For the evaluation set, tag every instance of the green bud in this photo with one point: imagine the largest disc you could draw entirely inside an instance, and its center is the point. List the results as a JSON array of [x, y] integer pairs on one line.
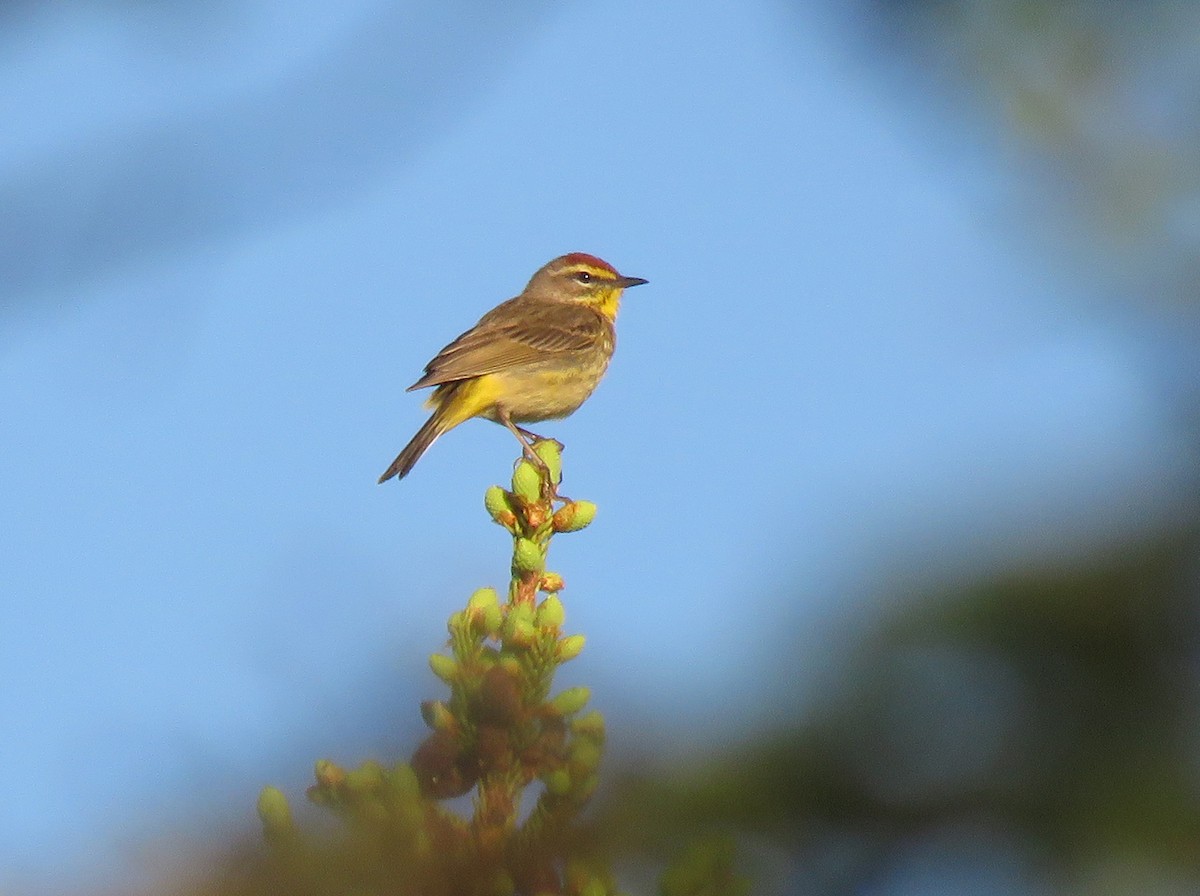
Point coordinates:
[[485, 606], [558, 782], [570, 647], [574, 516], [521, 613], [571, 700], [527, 556], [492, 620], [402, 793], [510, 664], [589, 725], [484, 598], [495, 501], [328, 773], [444, 667], [519, 631], [550, 452], [527, 481], [550, 614], [403, 780], [523, 635], [274, 812], [585, 756], [367, 778]]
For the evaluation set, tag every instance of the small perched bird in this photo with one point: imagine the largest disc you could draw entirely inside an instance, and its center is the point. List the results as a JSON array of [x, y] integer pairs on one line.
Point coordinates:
[[535, 357]]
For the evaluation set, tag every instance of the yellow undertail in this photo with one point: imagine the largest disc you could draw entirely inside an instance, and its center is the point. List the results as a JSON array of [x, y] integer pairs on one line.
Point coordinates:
[[453, 403]]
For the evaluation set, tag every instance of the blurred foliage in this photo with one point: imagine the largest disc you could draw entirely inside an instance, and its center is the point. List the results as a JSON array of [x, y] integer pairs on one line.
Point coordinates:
[[500, 738], [1052, 714], [1044, 718], [1103, 98], [498, 735]]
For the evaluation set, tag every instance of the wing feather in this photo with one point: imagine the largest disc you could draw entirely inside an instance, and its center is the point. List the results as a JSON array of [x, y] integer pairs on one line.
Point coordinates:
[[513, 334]]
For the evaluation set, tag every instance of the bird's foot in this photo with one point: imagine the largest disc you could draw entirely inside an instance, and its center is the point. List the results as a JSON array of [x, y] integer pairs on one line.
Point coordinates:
[[549, 486]]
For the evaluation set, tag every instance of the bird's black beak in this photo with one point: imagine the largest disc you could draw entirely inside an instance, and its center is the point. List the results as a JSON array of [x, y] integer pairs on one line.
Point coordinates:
[[626, 282]]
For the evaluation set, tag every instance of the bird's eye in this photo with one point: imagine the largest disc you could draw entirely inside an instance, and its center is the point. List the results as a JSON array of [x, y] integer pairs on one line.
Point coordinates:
[[583, 277]]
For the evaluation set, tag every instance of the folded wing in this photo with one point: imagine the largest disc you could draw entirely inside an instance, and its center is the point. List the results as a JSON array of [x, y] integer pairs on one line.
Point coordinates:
[[515, 334]]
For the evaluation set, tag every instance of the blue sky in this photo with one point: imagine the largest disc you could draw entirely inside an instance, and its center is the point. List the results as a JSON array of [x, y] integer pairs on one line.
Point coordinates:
[[235, 235]]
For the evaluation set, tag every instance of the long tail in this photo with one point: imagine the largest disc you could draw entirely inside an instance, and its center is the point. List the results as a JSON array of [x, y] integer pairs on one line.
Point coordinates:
[[426, 436]]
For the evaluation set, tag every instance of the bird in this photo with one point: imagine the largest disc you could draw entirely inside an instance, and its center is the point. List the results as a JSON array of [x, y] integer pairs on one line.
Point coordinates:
[[537, 356]]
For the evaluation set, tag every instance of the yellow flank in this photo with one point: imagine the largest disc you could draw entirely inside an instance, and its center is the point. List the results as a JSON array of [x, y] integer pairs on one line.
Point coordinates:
[[545, 393], [535, 357]]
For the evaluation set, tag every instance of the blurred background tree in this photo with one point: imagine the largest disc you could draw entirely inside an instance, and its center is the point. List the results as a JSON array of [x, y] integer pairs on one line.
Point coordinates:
[[1035, 730], [1097, 104]]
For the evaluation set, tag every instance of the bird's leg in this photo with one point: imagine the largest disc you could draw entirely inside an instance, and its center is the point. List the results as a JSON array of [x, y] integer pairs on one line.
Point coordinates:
[[524, 436], [527, 438]]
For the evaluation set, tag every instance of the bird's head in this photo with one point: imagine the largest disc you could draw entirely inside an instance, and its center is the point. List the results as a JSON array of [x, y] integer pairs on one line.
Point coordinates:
[[579, 277]]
